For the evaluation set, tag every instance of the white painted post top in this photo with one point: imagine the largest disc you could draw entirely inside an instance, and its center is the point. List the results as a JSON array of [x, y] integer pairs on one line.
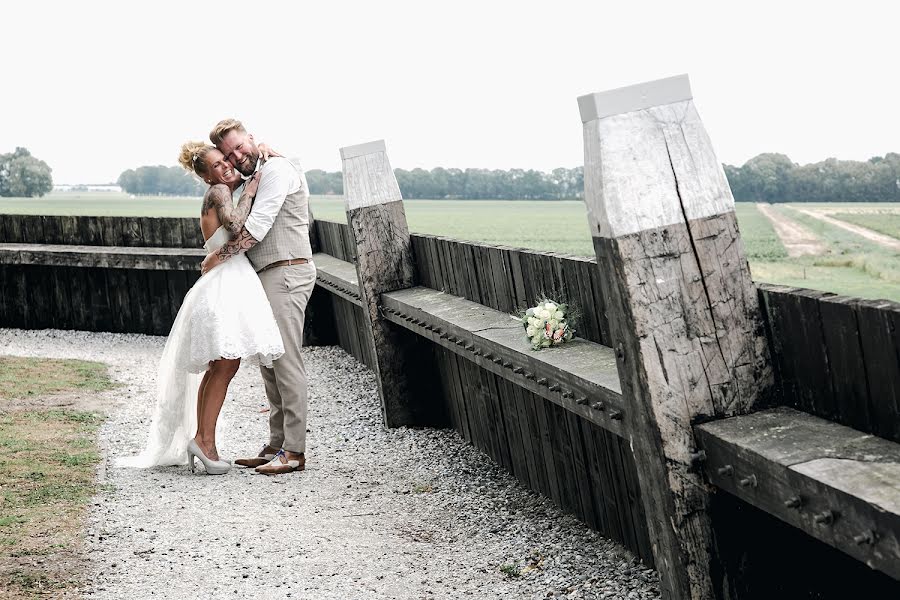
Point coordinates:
[[362, 149], [634, 97]]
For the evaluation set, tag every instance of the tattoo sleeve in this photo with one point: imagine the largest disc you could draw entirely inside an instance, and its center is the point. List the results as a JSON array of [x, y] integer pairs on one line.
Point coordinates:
[[243, 242], [232, 218]]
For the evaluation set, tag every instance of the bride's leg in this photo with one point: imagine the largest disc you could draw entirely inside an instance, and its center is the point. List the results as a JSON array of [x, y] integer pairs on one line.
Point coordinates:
[[220, 374], [200, 396]]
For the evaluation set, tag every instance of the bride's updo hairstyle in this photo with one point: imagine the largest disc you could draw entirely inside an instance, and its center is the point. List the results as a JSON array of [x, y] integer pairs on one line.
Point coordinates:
[[192, 155]]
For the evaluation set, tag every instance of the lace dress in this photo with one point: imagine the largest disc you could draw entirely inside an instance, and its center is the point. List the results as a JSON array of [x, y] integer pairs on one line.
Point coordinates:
[[224, 315]]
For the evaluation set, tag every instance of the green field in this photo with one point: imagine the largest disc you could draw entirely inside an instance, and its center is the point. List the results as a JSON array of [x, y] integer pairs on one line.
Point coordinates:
[[852, 266]]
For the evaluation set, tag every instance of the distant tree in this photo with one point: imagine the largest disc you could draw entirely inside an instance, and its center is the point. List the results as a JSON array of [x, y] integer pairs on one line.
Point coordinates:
[[21, 174], [323, 183]]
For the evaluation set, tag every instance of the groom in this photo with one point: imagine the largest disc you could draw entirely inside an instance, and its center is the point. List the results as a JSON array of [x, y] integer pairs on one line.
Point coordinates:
[[276, 240]]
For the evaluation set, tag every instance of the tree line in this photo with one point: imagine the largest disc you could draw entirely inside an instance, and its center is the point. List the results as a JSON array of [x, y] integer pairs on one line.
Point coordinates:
[[767, 177], [775, 178]]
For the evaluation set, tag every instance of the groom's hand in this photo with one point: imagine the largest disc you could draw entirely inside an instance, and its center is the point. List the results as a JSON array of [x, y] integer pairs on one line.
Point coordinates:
[[211, 261]]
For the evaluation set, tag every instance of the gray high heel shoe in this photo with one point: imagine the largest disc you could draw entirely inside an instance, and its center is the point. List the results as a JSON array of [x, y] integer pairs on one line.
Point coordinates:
[[213, 467]]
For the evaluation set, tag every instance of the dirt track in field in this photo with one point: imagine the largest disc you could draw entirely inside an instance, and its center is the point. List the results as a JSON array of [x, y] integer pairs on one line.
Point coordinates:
[[797, 239], [873, 236]]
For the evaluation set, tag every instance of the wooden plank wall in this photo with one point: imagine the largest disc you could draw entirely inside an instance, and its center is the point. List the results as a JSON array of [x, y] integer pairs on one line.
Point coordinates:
[[93, 299], [836, 357], [160, 232]]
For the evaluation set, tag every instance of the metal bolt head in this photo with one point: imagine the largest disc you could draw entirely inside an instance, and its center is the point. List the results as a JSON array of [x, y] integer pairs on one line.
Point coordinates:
[[518, 370], [615, 415], [581, 400], [497, 360], [507, 364], [793, 502], [826, 517], [866, 537], [620, 351], [529, 375], [554, 387], [698, 457], [598, 406], [568, 394], [542, 381], [748, 481], [727, 470]]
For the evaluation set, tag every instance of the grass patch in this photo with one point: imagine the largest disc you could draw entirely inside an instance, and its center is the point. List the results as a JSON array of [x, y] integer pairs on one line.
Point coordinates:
[[510, 570], [23, 377], [47, 462], [761, 243], [886, 222]]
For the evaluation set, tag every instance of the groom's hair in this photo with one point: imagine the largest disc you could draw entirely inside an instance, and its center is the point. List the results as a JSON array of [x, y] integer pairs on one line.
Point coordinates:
[[222, 128]]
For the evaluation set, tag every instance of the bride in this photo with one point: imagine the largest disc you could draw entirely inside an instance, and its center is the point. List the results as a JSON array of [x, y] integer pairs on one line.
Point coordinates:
[[225, 317]]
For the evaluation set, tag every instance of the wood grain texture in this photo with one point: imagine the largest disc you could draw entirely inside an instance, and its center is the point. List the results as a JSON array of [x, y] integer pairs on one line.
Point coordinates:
[[384, 263], [682, 310]]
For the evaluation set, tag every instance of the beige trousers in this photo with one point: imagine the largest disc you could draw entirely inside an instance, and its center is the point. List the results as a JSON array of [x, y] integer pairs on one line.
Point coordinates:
[[288, 289]]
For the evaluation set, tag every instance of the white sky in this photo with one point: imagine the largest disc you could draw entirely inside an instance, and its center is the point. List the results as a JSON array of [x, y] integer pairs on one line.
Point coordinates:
[[95, 88]]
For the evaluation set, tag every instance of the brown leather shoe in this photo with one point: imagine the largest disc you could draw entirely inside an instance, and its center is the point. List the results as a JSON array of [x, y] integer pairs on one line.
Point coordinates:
[[264, 456], [283, 462]]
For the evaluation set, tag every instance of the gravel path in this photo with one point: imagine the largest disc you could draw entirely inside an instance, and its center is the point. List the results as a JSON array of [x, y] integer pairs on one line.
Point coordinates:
[[377, 514]]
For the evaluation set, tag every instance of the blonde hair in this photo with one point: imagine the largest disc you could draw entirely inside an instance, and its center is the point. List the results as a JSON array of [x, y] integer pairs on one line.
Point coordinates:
[[192, 155], [223, 127]]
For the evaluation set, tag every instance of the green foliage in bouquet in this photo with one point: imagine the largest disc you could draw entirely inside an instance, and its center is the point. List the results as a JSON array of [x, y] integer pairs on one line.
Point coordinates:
[[546, 324]]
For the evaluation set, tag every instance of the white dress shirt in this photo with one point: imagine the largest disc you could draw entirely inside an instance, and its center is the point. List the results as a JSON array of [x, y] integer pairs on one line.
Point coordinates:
[[279, 178]]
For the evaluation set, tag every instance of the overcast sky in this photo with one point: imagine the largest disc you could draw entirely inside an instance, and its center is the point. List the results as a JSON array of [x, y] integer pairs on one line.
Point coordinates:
[[95, 88]]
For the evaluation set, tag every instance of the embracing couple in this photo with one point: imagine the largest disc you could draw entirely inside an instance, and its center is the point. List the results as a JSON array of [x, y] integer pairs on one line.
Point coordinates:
[[249, 304]]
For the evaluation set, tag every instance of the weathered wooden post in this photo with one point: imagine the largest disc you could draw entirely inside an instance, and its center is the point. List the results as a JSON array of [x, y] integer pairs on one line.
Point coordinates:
[[384, 263], [683, 311]]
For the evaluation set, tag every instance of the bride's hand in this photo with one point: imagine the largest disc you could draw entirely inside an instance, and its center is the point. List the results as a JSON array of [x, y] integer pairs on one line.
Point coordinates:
[[252, 184], [211, 260], [266, 151]]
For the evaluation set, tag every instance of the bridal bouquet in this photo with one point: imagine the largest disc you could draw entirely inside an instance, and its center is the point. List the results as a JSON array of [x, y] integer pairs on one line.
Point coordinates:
[[545, 325]]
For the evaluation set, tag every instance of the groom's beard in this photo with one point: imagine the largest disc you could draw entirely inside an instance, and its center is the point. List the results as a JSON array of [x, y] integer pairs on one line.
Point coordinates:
[[248, 166]]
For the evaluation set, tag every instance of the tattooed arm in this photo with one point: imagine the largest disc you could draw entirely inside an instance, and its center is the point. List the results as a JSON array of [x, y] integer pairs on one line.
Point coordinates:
[[232, 218], [243, 242]]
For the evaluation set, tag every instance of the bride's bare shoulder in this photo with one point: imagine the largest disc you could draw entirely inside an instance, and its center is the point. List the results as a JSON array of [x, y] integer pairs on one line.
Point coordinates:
[[216, 197]]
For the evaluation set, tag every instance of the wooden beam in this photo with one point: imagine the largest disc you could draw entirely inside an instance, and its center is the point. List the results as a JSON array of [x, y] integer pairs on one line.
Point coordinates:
[[384, 263], [113, 257], [837, 484], [338, 277], [579, 376], [683, 312]]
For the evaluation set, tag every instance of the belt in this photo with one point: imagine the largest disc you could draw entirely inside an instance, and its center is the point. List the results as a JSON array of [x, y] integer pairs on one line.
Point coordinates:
[[284, 263]]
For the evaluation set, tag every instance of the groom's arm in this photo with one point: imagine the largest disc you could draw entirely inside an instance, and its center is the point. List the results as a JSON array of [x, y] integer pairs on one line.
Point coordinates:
[[274, 186]]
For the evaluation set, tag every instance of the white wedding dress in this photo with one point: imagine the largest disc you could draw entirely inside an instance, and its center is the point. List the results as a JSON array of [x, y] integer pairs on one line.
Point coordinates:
[[224, 315]]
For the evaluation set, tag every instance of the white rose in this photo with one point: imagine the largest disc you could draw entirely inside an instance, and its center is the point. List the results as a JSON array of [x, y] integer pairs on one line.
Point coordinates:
[[530, 332], [554, 323], [559, 315], [550, 306], [535, 322], [545, 314]]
